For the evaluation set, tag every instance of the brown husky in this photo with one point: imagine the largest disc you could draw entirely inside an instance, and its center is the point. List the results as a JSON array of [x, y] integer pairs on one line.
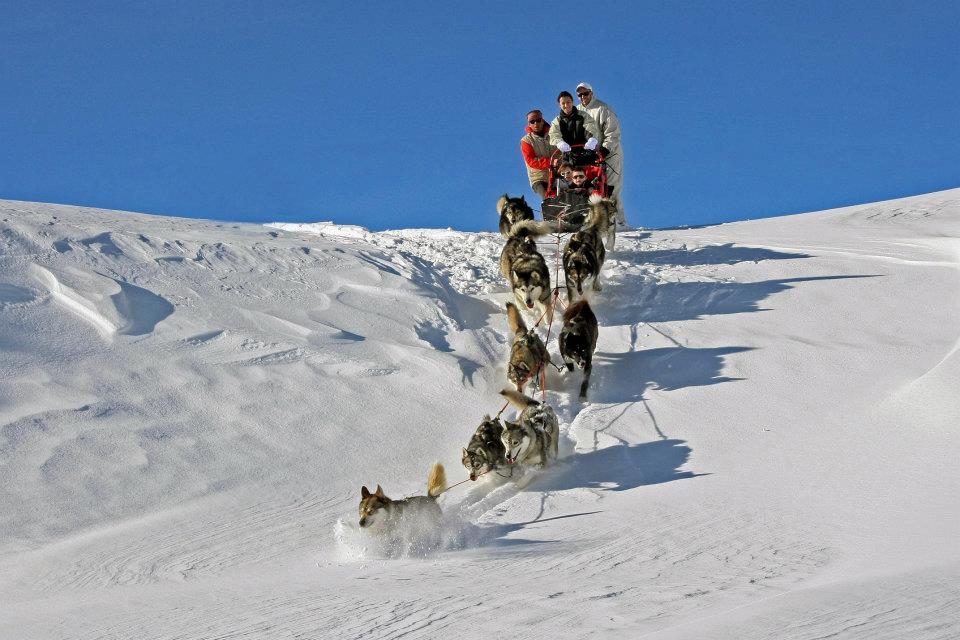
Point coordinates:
[[528, 354], [535, 438], [384, 515]]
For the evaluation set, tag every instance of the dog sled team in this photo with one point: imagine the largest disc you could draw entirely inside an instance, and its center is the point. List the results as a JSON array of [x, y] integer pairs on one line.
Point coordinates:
[[575, 165]]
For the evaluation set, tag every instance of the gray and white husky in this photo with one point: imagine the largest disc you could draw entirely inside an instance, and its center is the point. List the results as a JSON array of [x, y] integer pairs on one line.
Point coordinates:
[[384, 516], [485, 452], [525, 269], [535, 437]]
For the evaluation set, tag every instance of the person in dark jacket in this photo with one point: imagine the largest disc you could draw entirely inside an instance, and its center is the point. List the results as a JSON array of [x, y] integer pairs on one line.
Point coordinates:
[[572, 126], [537, 150], [580, 182]]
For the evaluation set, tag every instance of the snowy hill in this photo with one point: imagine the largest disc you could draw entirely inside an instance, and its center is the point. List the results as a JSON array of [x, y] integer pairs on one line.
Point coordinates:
[[189, 408]]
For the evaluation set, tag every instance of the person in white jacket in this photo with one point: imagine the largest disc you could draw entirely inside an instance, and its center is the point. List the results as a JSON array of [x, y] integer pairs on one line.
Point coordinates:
[[609, 130]]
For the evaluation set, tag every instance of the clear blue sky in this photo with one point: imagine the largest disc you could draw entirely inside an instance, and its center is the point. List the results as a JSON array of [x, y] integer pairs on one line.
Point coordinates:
[[394, 115]]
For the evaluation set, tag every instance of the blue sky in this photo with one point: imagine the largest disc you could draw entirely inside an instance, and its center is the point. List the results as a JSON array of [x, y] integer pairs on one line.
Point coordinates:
[[395, 115]]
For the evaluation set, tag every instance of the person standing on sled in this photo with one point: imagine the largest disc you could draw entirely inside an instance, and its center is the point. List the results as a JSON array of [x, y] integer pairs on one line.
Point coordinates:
[[573, 127], [609, 126], [537, 150]]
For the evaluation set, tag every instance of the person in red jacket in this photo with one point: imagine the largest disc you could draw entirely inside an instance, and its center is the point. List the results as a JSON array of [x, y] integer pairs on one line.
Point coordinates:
[[537, 150]]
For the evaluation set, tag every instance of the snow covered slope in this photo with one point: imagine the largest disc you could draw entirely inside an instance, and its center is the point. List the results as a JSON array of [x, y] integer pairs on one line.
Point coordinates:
[[189, 408]]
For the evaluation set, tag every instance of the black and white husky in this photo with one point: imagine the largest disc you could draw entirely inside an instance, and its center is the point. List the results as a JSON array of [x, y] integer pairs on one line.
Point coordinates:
[[525, 269], [535, 437], [512, 211], [584, 254], [578, 340]]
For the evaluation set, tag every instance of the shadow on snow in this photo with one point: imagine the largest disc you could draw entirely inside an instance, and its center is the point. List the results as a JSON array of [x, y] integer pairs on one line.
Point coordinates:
[[616, 468], [670, 301], [714, 254], [623, 377]]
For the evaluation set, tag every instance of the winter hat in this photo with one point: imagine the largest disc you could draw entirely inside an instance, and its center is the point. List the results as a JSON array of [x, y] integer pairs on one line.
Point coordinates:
[[585, 86]]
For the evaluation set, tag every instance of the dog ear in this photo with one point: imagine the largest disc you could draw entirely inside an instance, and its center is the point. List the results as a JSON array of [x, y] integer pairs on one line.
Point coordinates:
[[364, 493], [379, 492], [523, 199], [464, 452]]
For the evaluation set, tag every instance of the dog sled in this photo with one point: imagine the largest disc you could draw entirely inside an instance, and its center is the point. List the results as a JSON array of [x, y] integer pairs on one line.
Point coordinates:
[[566, 203]]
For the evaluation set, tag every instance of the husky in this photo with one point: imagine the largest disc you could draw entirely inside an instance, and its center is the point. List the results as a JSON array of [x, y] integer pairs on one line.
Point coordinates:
[[512, 211], [578, 340], [485, 451], [528, 354], [535, 438], [383, 515], [584, 254], [526, 270]]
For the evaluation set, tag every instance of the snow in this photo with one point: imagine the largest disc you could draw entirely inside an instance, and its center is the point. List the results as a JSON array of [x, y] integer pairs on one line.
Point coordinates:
[[188, 410]]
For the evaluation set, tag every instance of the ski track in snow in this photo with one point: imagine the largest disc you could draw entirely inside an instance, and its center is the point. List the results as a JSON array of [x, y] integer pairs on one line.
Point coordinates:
[[203, 521]]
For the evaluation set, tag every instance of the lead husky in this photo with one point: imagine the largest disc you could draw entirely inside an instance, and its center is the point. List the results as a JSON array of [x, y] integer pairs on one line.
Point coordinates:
[[525, 269], [485, 451], [535, 438], [386, 516], [578, 340], [584, 254], [512, 211], [528, 354]]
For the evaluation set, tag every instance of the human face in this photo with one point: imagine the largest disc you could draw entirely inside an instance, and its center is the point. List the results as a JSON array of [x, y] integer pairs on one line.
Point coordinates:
[[566, 105], [585, 96], [535, 120], [578, 177]]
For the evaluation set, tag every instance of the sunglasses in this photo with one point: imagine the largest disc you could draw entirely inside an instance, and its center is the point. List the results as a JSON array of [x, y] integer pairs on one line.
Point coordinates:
[[535, 121], [585, 93]]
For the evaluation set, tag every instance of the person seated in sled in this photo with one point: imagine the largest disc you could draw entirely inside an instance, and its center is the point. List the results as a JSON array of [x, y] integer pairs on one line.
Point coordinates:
[[580, 183], [564, 171]]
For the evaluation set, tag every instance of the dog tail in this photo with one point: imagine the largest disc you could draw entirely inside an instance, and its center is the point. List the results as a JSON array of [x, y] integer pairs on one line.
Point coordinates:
[[517, 325], [501, 202], [531, 228], [437, 481], [598, 216], [517, 399]]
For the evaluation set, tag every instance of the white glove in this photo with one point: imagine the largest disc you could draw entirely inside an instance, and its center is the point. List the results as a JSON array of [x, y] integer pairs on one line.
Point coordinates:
[[591, 144], [563, 146]]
